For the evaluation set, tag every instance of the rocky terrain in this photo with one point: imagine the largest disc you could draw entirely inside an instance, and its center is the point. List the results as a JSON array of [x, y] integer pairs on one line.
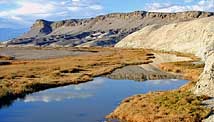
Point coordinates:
[[186, 32], [196, 37], [104, 30], [206, 82], [149, 71]]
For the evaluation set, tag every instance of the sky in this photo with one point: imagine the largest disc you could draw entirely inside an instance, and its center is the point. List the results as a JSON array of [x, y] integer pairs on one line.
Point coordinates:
[[23, 13]]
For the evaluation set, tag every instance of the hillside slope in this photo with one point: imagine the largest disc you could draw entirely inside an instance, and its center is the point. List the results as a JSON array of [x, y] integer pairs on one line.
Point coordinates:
[[104, 30], [196, 37]]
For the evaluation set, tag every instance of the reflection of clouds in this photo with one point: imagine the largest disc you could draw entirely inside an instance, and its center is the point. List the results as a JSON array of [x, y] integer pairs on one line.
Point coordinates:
[[50, 97], [164, 82], [89, 89], [80, 91], [97, 82]]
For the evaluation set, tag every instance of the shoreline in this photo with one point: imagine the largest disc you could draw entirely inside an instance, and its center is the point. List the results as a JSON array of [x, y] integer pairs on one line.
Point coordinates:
[[165, 106], [84, 69], [90, 68]]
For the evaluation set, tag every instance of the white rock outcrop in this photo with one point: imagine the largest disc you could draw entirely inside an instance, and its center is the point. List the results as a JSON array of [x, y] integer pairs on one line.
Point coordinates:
[[196, 37], [205, 86]]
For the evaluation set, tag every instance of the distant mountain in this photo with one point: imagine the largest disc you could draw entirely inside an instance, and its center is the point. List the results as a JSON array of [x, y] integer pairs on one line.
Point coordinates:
[[9, 33], [104, 30]]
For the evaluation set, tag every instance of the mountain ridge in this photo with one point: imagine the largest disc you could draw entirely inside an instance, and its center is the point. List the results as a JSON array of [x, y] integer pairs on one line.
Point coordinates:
[[103, 30]]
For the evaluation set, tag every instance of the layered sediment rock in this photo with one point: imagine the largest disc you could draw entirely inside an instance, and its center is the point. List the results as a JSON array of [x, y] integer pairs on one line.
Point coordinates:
[[206, 82], [104, 30], [196, 37]]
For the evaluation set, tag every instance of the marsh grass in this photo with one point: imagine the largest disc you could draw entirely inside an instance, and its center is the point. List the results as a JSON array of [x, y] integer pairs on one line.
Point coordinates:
[[170, 106], [26, 76], [6, 58]]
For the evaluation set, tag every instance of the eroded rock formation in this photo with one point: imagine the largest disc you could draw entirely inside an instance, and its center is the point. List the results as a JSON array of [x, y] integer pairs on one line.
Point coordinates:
[[104, 30], [196, 37]]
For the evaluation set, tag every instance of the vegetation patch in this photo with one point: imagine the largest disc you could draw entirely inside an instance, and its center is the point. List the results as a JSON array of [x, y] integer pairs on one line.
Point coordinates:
[[170, 106], [6, 58], [27, 76]]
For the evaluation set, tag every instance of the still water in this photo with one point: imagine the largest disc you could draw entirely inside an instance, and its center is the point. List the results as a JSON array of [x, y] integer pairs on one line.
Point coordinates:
[[87, 102]]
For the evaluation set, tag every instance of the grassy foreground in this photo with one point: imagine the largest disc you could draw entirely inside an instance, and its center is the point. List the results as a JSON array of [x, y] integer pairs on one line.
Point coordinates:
[[170, 106], [19, 77]]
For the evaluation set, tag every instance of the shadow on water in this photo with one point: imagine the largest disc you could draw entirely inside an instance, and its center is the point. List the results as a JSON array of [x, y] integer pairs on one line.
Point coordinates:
[[7, 102]]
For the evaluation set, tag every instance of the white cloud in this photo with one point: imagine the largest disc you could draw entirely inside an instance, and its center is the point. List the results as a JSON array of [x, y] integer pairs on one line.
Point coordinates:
[[202, 5], [29, 11], [74, 8], [78, 5], [188, 1], [16, 18], [3, 1], [96, 7], [29, 8]]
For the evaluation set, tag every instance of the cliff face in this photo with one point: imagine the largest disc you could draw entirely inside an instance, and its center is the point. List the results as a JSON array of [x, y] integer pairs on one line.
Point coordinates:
[[206, 82], [102, 30], [108, 21], [196, 37]]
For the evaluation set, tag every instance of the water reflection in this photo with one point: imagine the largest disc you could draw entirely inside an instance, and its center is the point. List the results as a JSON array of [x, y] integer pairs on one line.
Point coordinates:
[[162, 82], [68, 92], [87, 102], [48, 97]]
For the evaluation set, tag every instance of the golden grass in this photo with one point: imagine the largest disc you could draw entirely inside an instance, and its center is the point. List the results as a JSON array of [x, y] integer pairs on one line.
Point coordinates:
[[28, 76], [6, 58], [189, 70], [22, 77], [170, 106]]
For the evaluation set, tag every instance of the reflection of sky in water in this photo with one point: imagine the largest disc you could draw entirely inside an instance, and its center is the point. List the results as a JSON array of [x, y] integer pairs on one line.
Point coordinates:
[[48, 97], [86, 102], [68, 92], [86, 90], [162, 82]]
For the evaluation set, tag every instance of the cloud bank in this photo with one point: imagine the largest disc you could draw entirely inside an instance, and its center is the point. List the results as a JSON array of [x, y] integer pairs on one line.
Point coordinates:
[[22, 13], [25, 12], [201, 5]]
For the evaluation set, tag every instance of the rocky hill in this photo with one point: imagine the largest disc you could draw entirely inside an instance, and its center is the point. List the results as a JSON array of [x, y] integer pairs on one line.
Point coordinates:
[[196, 37], [104, 30]]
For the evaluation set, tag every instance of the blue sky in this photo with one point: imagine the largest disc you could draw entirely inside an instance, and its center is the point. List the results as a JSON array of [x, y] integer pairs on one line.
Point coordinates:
[[22, 13]]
